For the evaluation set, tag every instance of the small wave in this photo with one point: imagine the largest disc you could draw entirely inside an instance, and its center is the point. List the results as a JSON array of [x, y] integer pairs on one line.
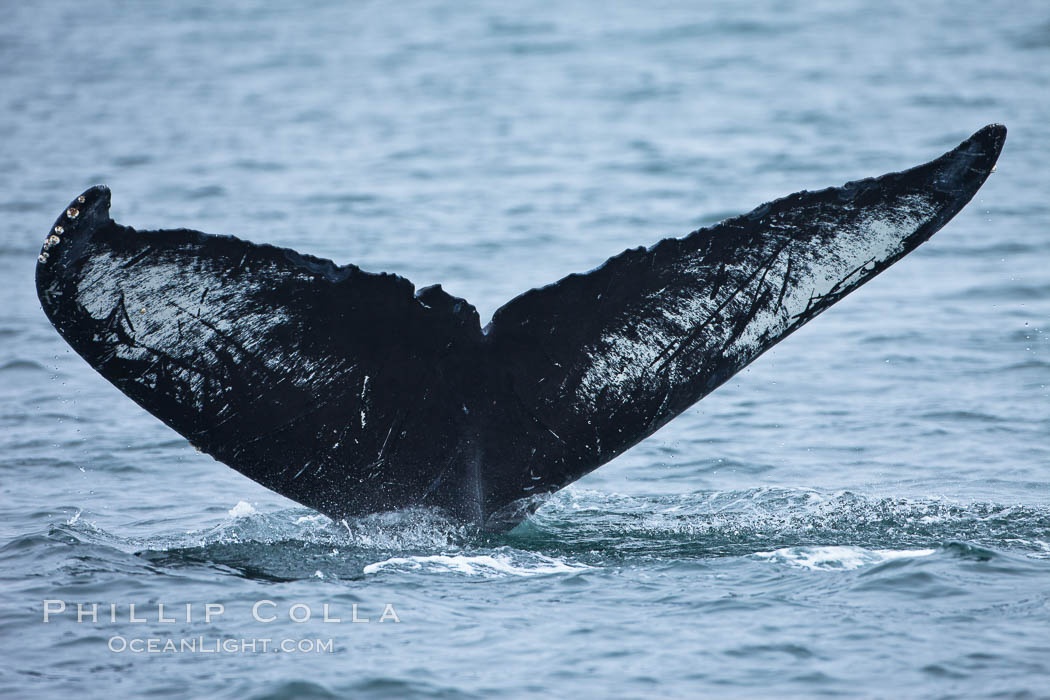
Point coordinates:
[[506, 27], [341, 198], [252, 165], [132, 160], [410, 529], [837, 557], [1026, 365], [497, 565], [22, 366], [204, 192], [737, 523], [961, 416], [21, 206], [1021, 292]]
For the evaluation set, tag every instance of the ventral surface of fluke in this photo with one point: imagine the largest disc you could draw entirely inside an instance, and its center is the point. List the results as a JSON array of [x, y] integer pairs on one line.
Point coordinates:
[[350, 392]]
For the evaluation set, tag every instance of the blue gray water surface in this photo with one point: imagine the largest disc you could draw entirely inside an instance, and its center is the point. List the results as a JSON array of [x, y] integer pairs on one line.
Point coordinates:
[[865, 511]]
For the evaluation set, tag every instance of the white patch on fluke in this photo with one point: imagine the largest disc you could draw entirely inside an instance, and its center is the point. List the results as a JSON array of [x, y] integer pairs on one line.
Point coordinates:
[[835, 259]]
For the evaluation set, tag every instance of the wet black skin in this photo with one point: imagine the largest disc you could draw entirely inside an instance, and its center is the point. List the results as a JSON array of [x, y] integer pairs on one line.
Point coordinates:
[[351, 393]]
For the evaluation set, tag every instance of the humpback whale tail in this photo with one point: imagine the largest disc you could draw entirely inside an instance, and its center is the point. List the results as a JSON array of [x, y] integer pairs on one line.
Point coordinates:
[[350, 392]]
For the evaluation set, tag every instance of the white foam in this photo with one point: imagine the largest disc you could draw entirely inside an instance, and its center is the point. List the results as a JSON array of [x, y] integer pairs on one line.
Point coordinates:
[[837, 558], [484, 565], [242, 510]]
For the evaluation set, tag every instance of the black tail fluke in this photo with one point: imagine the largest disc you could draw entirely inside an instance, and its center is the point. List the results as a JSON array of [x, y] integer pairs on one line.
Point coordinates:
[[598, 362], [350, 393]]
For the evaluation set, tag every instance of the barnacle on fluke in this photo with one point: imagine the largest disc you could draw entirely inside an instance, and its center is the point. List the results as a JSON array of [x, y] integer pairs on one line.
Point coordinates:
[[350, 392]]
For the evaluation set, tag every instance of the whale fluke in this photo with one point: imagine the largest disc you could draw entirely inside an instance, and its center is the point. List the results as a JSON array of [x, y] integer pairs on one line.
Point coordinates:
[[351, 393]]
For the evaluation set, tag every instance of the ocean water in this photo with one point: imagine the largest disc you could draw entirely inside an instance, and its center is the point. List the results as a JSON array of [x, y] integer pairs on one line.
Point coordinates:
[[865, 511]]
